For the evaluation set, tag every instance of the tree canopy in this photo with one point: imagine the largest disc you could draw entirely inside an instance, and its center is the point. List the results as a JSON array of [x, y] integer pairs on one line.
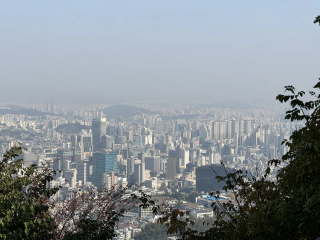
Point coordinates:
[[24, 199]]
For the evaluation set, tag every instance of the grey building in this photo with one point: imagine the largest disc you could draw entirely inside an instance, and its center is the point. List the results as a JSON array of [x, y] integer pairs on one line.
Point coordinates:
[[171, 168], [206, 177], [153, 164], [99, 126]]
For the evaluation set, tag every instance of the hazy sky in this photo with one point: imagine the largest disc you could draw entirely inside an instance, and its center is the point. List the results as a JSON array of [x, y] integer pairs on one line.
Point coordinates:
[[114, 51]]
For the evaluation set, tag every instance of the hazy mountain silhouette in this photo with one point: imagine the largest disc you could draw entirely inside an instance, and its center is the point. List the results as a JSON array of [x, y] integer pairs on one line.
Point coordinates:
[[125, 111], [71, 128], [15, 109]]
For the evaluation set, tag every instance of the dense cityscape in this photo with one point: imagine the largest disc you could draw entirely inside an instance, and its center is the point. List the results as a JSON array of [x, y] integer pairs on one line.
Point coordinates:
[[159, 120], [173, 152]]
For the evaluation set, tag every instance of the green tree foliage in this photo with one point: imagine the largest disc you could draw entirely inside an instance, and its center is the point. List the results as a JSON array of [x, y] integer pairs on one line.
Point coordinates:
[[152, 231], [299, 179], [91, 215], [27, 210], [155, 231], [24, 199], [191, 197]]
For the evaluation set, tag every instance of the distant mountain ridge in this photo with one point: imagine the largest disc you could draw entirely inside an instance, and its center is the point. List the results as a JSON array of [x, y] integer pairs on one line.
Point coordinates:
[[71, 128], [125, 111], [16, 109]]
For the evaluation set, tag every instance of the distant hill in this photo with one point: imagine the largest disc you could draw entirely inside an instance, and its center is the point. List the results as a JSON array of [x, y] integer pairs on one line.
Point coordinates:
[[71, 128], [15, 109], [125, 111], [228, 104]]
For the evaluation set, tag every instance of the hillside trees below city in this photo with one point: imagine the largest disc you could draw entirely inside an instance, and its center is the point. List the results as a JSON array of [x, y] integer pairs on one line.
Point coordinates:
[[24, 199], [152, 231], [90, 214], [155, 231], [28, 211]]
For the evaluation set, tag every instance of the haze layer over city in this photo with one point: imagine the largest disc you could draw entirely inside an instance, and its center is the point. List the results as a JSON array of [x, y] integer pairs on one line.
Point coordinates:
[[153, 96], [110, 52]]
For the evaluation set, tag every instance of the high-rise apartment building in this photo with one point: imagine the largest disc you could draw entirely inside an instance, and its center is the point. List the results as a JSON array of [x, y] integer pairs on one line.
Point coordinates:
[[223, 130], [247, 127], [216, 130]]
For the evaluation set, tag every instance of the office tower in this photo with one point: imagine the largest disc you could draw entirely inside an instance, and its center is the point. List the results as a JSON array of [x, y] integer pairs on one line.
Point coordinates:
[[211, 157], [111, 162], [139, 172], [103, 162], [184, 156], [142, 156], [82, 141], [98, 164], [63, 155], [143, 172], [171, 168], [153, 164], [86, 145], [111, 131], [71, 177], [98, 130], [120, 131], [74, 141], [82, 171], [129, 136], [110, 181], [107, 142], [163, 164], [130, 170]]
